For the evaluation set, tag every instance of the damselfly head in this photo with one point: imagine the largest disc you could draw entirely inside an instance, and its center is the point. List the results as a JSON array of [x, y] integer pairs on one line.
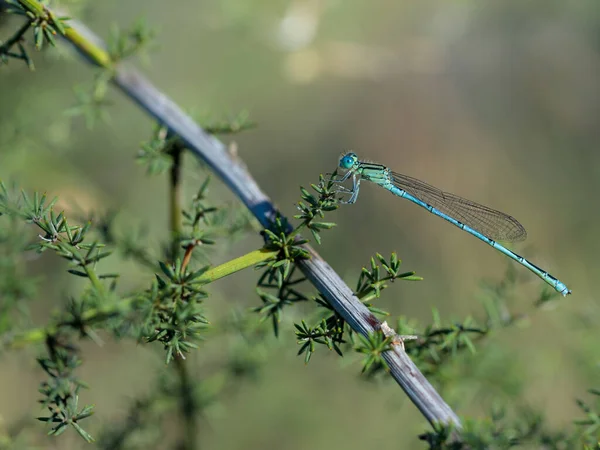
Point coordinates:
[[348, 160]]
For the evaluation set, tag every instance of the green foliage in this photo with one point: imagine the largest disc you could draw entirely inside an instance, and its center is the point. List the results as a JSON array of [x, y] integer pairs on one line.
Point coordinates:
[[177, 319], [331, 328], [278, 277], [92, 103], [589, 427], [282, 291], [323, 333], [316, 207], [157, 153], [373, 348], [61, 390], [371, 283], [170, 311], [131, 242], [16, 289], [66, 240], [45, 25], [197, 218], [245, 347], [501, 430], [438, 343], [234, 123], [138, 41]]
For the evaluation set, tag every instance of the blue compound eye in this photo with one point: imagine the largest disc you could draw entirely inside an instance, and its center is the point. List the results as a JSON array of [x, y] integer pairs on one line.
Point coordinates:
[[348, 160]]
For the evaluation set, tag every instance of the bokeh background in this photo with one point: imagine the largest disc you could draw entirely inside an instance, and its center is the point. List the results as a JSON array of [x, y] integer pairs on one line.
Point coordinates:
[[497, 101]]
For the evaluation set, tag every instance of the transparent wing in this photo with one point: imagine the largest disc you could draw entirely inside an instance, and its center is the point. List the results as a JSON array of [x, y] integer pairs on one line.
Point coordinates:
[[489, 222]]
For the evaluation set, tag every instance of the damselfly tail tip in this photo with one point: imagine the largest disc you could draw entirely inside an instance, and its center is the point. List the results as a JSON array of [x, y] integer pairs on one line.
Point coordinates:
[[565, 291]]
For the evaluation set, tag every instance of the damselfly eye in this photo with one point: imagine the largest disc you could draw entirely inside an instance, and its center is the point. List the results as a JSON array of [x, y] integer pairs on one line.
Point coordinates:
[[348, 160]]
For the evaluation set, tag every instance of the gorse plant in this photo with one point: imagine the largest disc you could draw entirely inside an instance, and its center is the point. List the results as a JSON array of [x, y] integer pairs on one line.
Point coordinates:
[[169, 307]]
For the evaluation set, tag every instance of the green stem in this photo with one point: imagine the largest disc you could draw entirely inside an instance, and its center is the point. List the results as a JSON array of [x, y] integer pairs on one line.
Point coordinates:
[[29, 337], [186, 394], [33, 6], [175, 188], [235, 265], [37, 335], [94, 280], [187, 405], [90, 50]]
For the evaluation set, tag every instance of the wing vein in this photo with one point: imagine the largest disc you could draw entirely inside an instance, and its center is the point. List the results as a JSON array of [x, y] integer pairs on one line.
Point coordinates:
[[490, 222]]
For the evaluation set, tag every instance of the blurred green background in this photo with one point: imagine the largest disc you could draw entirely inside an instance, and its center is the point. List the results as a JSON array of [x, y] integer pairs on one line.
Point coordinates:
[[496, 101]]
